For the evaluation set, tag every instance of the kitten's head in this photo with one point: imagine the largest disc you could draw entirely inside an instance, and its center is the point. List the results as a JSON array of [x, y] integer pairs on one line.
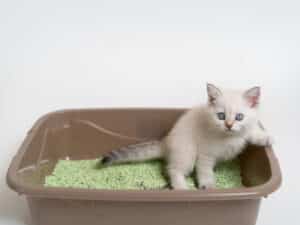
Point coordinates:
[[231, 111]]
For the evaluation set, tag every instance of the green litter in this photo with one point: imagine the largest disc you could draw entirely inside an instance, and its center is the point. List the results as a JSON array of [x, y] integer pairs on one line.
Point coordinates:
[[132, 176], [135, 176]]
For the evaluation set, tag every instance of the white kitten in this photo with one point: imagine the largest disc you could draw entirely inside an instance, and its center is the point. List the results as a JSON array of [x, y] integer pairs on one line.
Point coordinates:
[[205, 135]]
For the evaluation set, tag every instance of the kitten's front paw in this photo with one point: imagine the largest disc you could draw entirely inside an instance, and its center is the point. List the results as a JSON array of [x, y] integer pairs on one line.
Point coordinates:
[[207, 184]]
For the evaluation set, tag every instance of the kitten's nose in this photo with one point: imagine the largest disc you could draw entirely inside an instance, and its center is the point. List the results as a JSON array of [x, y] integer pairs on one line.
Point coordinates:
[[229, 125]]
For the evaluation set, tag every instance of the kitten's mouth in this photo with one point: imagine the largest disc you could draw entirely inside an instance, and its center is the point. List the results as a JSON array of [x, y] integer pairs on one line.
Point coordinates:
[[230, 131]]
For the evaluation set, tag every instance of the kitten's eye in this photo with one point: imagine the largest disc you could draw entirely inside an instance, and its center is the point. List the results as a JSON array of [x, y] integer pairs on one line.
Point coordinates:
[[239, 117], [221, 116]]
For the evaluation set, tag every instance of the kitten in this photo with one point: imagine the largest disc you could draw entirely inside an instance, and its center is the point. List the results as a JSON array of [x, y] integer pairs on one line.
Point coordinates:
[[203, 136]]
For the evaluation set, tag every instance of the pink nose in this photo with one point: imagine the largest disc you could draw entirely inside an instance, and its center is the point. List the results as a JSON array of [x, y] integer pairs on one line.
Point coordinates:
[[229, 125]]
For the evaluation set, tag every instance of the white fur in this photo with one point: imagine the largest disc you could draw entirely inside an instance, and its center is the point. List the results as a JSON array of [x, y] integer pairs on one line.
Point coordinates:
[[199, 139]]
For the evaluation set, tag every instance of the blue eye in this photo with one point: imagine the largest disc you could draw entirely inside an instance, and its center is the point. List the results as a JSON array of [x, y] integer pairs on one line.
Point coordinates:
[[239, 117], [221, 116]]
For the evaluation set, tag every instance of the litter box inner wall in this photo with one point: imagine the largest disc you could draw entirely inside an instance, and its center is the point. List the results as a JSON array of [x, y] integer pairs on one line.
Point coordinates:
[[47, 143], [255, 166], [138, 123], [88, 134]]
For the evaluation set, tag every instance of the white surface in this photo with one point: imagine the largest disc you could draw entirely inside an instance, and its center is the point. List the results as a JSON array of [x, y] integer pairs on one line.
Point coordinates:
[[66, 54]]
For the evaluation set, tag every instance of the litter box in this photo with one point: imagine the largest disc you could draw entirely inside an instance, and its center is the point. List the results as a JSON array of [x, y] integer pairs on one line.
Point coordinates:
[[87, 134]]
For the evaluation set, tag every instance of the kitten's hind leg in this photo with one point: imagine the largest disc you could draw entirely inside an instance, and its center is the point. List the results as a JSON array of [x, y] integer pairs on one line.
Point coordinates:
[[205, 172]]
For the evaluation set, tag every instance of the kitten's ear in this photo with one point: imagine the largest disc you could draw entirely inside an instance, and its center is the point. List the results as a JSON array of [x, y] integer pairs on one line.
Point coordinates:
[[252, 96], [213, 92]]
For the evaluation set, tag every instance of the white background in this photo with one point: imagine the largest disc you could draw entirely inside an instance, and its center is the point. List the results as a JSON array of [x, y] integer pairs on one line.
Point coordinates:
[[74, 54]]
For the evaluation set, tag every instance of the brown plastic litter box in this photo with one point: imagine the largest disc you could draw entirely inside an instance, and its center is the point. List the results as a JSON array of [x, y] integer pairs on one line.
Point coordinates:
[[88, 133]]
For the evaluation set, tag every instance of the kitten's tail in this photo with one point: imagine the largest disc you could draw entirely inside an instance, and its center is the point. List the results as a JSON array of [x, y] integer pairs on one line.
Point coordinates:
[[132, 153]]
